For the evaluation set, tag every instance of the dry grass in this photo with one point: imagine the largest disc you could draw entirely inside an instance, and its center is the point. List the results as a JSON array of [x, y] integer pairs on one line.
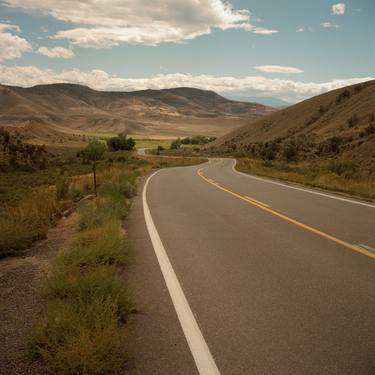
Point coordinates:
[[318, 175], [29, 221], [171, 161], [88, 304]]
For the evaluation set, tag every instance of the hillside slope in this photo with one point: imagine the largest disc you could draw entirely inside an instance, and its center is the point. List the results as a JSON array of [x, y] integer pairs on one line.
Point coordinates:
[[68, 108], [338, 124]]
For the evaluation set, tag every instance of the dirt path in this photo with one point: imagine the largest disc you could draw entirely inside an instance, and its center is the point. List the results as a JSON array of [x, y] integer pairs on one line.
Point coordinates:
[[20, 298]]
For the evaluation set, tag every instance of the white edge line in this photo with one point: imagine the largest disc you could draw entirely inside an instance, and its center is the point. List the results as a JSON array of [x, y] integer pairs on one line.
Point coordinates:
[[197, 344], [301, 189]]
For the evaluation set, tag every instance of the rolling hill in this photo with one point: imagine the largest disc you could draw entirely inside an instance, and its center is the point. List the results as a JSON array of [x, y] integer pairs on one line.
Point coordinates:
[[57, 109], [337, 124]]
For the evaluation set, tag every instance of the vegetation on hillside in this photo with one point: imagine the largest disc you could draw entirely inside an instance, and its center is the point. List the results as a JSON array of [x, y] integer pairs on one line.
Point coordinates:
[[339, 176], [15, 154], [337, 125]]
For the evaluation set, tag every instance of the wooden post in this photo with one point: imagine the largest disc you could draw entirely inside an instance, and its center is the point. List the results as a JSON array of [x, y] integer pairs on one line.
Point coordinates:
[[94, 170]]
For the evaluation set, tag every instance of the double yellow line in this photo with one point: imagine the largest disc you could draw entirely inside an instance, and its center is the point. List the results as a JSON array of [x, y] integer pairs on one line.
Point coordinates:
[[267, 208]]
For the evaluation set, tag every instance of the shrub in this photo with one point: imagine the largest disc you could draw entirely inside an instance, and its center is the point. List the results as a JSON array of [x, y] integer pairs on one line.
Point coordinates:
[[353, 121], [121, 142], [290, 150], [75, 339], [345, 168], [176, 144], [197, 140], [62, 187], [333, 145]]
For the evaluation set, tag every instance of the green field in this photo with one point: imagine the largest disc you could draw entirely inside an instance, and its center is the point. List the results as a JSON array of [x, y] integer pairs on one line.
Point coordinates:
[[141, 140], [152, 143]]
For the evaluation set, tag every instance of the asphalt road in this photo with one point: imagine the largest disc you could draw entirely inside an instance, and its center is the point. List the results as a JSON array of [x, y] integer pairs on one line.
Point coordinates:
[[239, 275]]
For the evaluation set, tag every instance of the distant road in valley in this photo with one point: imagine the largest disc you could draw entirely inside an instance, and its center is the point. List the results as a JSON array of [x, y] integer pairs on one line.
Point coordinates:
[[242, 275]]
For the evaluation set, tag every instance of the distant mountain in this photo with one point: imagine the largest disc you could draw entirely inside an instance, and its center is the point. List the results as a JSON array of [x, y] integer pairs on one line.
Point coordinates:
[[45, 109], [337, 124], [269, 101]]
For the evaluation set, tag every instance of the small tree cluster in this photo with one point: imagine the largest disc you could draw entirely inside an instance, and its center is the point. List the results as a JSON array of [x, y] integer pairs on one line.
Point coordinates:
[[121, 143], [197, 140], [176, 144], [15, 153]]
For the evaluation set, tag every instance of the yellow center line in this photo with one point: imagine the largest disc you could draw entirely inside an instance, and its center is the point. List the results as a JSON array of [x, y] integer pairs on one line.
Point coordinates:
[[259, 202], [264, 207]]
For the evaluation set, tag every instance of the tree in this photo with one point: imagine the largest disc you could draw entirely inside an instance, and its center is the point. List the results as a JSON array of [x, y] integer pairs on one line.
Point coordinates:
[[290, 150], [121, 142], [93, 152], [176, 144]]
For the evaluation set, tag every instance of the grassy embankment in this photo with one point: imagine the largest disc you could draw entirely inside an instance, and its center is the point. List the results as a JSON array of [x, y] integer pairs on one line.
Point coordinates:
[[87, 298], [338, 176], [32, 202]]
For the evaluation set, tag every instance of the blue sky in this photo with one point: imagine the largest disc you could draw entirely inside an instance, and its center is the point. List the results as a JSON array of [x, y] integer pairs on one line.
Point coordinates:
[[288, 49]]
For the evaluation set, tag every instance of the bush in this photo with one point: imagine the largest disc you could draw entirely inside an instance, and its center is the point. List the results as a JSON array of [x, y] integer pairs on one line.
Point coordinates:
[[197, 140], [62, 187], [290, 150], [121, 142], [353, 121], [345, 168], [75, 339], [176, 144]]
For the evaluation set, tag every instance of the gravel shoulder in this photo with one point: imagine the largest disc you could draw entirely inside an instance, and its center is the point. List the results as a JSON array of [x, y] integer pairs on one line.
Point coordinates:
[[21, 301]]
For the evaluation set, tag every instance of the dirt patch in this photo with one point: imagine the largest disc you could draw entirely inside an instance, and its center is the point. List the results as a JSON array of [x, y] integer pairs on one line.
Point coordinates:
[[21, 302]]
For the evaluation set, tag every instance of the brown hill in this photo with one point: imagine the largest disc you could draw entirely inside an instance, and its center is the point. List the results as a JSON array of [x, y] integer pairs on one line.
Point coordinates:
[[337, 124], [171, 112]]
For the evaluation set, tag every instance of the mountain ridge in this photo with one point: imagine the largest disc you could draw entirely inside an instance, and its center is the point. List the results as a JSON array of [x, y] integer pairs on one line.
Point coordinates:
[[336, 124], [167, 112]]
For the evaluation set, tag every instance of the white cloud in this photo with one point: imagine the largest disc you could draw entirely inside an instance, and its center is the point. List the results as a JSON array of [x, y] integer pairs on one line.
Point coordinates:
[[338, 9], [56, 52], [263, 31], [8, 26], [12, 46], [300, 30], [251, 85], [329, 25], [105, 23], [278, 69]]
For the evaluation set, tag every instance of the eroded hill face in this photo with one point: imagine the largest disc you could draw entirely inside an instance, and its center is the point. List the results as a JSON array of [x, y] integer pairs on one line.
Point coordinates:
[[340, 123], [66, 108]]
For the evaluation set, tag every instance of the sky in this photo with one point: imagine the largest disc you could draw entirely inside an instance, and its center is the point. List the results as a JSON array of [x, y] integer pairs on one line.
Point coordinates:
[[284, 49]]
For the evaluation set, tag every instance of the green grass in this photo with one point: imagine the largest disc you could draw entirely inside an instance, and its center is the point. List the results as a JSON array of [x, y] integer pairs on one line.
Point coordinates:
[[141, 140], [88, 303], [338, 176], [152, 143]]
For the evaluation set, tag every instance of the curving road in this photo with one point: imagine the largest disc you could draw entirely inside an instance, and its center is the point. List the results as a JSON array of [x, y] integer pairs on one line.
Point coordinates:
[[250, 277]]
